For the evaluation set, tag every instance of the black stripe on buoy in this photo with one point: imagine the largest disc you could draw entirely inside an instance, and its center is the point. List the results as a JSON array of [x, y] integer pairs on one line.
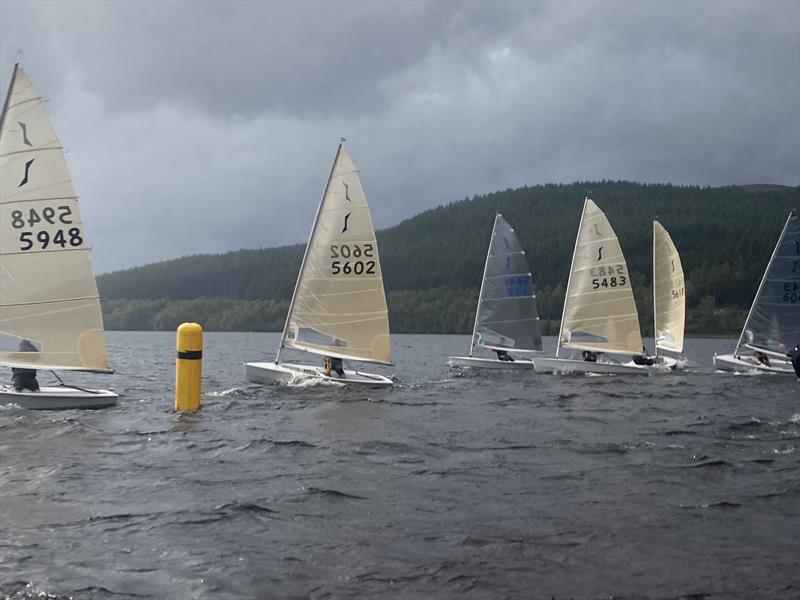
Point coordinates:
[[190, 354]]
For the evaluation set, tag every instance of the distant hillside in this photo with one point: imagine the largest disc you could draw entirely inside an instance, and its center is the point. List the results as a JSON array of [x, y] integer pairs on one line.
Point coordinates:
[[725, 237]]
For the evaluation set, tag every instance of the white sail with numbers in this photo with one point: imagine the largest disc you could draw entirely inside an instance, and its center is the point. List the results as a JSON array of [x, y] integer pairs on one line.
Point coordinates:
[[48, 293], [599, 310], [669, 294], [339, 305]]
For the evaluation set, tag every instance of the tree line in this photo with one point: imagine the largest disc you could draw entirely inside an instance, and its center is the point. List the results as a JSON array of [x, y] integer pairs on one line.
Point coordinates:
[[432, 263]]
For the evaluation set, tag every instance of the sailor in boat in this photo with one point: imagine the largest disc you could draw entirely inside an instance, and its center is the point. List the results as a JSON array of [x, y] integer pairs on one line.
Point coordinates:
[[503, 354], [762, 358], [794, 356], [25, 379], [333, 364], [643, 360], [589, 356]]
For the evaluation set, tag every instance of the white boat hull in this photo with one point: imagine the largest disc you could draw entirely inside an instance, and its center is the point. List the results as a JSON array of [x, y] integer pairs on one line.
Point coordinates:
[[566, 365], [270, 372], [58, 398], [473, 362], [749, 364]]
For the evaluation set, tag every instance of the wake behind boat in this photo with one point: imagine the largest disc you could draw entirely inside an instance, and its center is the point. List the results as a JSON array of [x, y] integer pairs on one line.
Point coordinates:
[[338, 309], [600, 317], [772, 327], [506, 318], [50, 316]]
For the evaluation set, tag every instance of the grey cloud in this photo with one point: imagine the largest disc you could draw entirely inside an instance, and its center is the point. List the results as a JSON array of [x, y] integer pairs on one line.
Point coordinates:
[[207, 127]]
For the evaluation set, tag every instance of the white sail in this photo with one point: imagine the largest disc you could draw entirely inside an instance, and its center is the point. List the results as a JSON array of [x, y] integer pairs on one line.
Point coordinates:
[[339, 305], [773, 324], [669, 294], [507, 317], [48, 294], [599, 310]]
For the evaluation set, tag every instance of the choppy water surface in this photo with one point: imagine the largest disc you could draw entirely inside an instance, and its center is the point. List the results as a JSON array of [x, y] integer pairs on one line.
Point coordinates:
[[448, 486]]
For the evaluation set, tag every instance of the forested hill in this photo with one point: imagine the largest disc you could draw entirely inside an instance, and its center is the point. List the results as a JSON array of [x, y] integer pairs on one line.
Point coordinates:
[[432, 263]]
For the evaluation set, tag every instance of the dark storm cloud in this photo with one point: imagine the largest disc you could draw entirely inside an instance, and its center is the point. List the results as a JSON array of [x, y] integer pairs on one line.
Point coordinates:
[[210, 126]]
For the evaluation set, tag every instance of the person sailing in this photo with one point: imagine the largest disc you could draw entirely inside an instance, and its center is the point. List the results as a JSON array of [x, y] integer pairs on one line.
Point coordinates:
[[25, 379], [503, 354], [794, 356], [334, 364]]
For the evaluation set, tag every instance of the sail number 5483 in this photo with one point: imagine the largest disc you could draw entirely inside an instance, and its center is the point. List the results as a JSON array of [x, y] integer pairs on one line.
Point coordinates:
[[352, 267]]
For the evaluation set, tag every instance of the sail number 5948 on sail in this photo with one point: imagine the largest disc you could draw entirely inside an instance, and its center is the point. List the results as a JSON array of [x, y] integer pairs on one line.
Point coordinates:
[[40, 219], [352, 267]]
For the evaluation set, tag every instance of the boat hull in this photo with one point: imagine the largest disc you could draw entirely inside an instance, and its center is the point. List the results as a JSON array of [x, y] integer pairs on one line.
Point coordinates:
[[748, 364], [284, 373], [58, 398], [566, 366], [473, 362]]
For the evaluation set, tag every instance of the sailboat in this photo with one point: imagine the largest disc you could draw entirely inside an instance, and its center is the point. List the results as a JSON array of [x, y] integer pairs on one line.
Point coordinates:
[[506, 318], [669, 297], [338, 309], [600, 316], [772, 327], [49, 304]]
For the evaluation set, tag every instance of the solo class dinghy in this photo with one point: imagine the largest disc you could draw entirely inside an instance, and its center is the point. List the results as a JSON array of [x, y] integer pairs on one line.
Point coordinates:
[[772, 327], [49, 305], [506, 318], [338, 309], [600, 316]]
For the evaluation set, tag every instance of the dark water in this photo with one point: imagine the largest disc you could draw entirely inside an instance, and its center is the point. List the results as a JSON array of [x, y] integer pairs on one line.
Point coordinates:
[[448, 486]]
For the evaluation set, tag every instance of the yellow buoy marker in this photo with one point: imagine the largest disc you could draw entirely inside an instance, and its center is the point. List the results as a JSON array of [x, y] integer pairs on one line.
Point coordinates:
[[188, 367]]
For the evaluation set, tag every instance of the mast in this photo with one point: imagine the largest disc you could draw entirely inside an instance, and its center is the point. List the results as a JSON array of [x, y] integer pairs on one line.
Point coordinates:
[[655, 310], [305, 254], [569, 278], [8, 96], [764, 279], [483, 281]]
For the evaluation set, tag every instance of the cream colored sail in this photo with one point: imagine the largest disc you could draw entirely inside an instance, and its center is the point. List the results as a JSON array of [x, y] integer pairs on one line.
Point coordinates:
[[669, 295], [599, 311], [48, 294], [339, 305]]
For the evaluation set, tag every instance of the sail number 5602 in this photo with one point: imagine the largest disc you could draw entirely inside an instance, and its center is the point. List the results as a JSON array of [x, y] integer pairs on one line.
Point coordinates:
[[354, 267]]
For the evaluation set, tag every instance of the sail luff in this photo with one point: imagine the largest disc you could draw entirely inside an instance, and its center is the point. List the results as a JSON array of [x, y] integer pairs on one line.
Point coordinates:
[[767, 271], [483, 282], [569, 277], [8, 97], [305, 256], [655, 312]]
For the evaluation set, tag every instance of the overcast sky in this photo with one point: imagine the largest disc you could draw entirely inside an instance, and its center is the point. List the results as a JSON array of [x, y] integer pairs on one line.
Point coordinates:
[[211, 126]]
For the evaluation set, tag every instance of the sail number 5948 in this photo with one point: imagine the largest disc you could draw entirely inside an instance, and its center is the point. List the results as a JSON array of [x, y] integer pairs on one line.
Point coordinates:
[[352, 267], [32, 218]]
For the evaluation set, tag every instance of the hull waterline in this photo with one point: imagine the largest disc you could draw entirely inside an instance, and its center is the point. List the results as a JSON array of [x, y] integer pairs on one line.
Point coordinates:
[[58, 398], [284, 373], [472, 362]]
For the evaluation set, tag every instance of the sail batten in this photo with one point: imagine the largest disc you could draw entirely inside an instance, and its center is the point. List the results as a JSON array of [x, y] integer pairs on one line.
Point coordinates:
[[48, 294], [339, 305], [599, 309], [506, 317]]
